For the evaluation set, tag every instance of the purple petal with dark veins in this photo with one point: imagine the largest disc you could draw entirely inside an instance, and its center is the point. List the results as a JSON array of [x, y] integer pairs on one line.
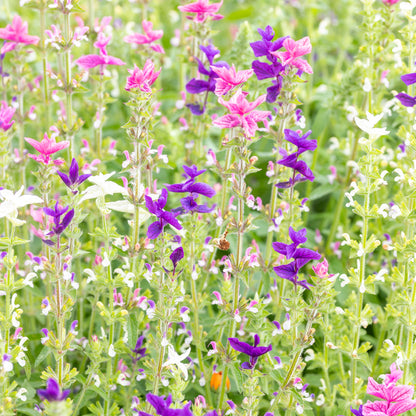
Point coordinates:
[[154, 230]]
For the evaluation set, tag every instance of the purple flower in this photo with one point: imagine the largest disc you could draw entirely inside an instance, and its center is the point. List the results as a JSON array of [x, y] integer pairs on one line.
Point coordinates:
[[300, 256], [56, 213], [139, 351], [406, 99], [161, 405], [165, 217], [251, 350], [196, 86], [189, 203], [358, 412], [73, 179], [53, 393], [264, 70], [176, 256], [409, 79], [291, 160]]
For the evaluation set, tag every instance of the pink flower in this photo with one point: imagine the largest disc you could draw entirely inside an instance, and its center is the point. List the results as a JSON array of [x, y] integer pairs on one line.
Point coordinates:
[[6, 115], [16, 33], [398, 399], [91, 61], [390, 2], [142, 78], [203, 10], [295, 49], [149, 37], [321, 269], [242, 113], [229, 78], [46, 147]]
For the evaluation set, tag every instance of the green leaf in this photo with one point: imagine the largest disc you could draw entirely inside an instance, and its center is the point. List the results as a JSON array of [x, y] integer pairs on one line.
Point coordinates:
[[322, 190], [237, 377], [42, 355]]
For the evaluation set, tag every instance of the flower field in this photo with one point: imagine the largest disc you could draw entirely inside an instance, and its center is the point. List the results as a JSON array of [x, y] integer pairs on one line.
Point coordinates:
[[207, 207]]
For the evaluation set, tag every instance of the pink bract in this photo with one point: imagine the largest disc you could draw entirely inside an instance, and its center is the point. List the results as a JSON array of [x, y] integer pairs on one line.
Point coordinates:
[[142, 79], [397, 399], [149, 37], [46, 147], [229, 78], [203, 10], [6, 115], [242, 113], [16, 33], [295, 49]]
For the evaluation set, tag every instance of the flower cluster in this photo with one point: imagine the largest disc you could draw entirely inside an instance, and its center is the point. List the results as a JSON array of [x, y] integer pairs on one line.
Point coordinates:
[[291, 160], [300, 256], [196, 86], [274, 69]]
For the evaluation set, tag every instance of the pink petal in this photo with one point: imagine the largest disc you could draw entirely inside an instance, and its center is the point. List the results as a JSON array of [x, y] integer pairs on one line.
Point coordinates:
[[302, 65], [227, 121]]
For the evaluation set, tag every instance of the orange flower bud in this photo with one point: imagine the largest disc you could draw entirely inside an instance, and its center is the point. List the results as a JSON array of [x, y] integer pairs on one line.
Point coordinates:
[[216, 380]]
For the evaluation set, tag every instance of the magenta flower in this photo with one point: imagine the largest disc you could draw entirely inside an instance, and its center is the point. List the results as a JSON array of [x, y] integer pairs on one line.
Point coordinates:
[[91, 61], [149, 37], [16, 33], [390, 2], [103, 59], [242, 113], [228, 78], [295, 49], [6, 115], [142, 78], [202, 10], [397, 399], [46, 147]]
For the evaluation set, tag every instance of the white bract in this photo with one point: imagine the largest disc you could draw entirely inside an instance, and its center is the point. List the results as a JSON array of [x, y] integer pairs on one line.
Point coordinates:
[[102, 187], [13, 201], [367, 125], [176, 359]]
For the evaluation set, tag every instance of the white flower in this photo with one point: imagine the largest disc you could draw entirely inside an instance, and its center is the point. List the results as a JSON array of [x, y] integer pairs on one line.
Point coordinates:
[[106, 261], [310, 355], [102, 187], [28, 279], [111, 351], [11, 202], [97, 380], [367, 85], [122, 380], [320, 400], [91, 275], [176, 359], [20, 394], [344, 279], [390, 345], [382, 210], [395, 212]]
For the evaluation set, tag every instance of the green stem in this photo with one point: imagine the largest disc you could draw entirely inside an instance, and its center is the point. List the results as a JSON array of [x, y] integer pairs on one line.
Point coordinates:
[[68, 85], [239, 255]]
